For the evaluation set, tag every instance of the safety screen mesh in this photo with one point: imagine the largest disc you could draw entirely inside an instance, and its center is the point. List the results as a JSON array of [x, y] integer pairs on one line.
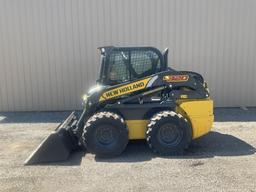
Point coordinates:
[[132, 64], [117, 67], [143, 61]]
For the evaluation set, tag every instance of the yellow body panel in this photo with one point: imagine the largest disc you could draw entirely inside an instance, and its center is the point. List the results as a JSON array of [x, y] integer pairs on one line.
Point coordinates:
[[199, 113], [137, 128]]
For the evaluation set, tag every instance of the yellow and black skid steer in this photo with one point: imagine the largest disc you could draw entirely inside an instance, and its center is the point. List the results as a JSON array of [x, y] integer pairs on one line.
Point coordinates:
[[137, 96]]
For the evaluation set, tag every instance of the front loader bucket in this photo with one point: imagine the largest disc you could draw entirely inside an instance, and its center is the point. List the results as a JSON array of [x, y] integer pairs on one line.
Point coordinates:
[[57, 146]]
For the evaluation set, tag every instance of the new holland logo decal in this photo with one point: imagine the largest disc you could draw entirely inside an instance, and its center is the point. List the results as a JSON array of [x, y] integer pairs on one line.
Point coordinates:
[[125, 89]]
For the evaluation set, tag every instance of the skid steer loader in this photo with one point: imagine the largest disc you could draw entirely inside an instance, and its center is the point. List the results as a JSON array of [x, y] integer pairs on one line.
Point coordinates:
[[137, 96]]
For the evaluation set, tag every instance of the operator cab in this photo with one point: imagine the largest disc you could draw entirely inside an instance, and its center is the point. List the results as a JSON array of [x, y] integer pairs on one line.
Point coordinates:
[[125, 64]]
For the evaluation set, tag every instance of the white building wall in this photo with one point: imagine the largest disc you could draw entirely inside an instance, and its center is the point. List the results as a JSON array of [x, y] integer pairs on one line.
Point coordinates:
[[48, 54]]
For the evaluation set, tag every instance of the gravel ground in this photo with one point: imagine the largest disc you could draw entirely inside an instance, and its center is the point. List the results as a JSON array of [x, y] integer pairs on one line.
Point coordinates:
[[223, 160]]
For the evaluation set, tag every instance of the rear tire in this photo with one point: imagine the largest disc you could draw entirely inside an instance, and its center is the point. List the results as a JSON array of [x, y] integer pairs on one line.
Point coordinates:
[[168, 133], [105, 134]]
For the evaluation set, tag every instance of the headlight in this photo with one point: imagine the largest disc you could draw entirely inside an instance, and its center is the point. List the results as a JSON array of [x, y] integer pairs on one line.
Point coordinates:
[[85, 98], [206, 88]]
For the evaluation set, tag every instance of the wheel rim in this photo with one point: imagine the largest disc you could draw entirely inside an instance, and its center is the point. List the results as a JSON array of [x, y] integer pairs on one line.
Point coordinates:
[[169, 134], [106, 134]]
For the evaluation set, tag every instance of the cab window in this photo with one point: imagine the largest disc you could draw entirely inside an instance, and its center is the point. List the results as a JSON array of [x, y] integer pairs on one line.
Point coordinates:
[[128, 65]]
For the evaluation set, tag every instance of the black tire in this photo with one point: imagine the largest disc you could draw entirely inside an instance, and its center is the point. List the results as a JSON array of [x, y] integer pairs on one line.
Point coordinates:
[[105, 134], [168, 133]]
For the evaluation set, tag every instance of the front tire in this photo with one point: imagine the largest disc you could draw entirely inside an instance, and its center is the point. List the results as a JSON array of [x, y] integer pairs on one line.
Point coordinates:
[[105, 134], [168, 133]]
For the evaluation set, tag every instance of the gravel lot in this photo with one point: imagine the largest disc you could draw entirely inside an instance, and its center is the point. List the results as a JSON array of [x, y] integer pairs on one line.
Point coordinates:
[[223, 160]]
